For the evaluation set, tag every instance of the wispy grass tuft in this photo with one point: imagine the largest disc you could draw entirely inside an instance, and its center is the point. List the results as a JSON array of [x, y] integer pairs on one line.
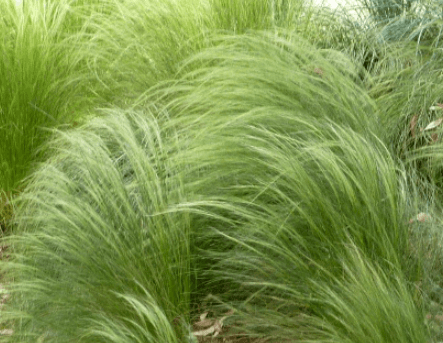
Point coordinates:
[[263, 72], [241, 16], [290, 207], [259, 170], [136, 44], [98, 240], [282, 151], [149, 324], [368, 305]]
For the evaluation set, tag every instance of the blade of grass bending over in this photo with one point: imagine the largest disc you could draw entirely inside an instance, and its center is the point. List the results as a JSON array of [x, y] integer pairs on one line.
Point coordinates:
[[150, 324], [407, 90], [239, 17], [382, 11], [94, 228], [134, 44], [276, 97]]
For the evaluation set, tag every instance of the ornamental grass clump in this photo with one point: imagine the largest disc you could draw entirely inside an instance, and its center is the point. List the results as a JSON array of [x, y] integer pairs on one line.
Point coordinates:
[[241, 16], [259, 175], [99, 254], [282, 150], [408, 91], [368, 304], [40, 84], [264, 72], [134, 45]]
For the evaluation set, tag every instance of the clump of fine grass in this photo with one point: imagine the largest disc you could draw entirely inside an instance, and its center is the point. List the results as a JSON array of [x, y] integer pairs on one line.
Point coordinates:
[[367, 305], [150, 323], [99, 253], [135, 44], [294, 77], [41, 82], [240, 16], [269, 181], [408, 93], [288, 170]]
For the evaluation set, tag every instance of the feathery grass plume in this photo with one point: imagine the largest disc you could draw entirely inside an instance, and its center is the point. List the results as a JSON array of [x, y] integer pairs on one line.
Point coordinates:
[[408, 93], [150, 324], [316, 23], [307, 193], [366, 303], [278, 82], [242, 15], [135, 45], [310, 196], [397, 93], [291, 205], [96, 233]]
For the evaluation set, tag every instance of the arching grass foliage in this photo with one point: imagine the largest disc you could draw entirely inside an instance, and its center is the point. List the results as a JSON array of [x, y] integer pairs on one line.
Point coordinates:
[[95, 225], [235, 157]]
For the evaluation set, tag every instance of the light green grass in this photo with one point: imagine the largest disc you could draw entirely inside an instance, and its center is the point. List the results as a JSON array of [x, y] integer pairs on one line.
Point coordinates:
[[251, 150], [368, 304], [293, 173], [41, 82], [97, 234]]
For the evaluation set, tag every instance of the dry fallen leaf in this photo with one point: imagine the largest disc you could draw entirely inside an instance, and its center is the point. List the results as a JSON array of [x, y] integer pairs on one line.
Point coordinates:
[[422, 217], [205, 332], [215, 325], [204, 322], [204, 315], [433, 124]]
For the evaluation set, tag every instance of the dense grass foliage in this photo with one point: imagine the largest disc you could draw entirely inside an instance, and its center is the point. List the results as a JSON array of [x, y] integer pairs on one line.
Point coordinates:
[[61, 57], [41, 82], [135, 44], [300, 177], [92, 217], [271, 158]]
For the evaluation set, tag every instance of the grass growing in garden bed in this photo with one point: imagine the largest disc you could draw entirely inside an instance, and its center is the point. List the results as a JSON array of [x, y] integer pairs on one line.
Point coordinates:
[[261, 179]]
